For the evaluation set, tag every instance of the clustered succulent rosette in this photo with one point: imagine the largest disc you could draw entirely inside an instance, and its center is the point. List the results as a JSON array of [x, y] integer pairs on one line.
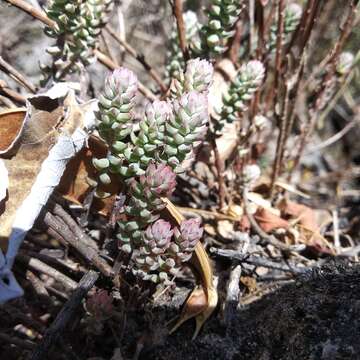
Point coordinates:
[[222, 16], [147, 155], [185, 129], [164, 249], [241, 91], [207, 40], [156, 249], [167, 133], [100, 305], [292, 17], [116, 105], [197, 77], [145, 203], [77, 26]]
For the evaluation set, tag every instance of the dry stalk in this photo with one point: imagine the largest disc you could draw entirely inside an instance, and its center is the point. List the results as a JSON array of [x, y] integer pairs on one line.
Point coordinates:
[[326, 83], [139, 57], [16, 75], [178, 13]]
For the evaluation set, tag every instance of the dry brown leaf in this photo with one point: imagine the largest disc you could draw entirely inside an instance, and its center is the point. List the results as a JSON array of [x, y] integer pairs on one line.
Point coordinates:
[[269, 221], [309, 229], [23, 168], [11, 125], [304, 214], [75, 185], [249, 282], [46, 118], [201, 263], [195, 304]]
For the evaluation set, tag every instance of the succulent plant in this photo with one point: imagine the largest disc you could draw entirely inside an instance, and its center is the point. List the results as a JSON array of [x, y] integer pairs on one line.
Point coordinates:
[[185, 129], [116, 106], [241, 91], [147, 158], [145, 202], [77, 26], [168, 132], [149, 141], [155, 253], [198, 76], [292, 17], [176, 63], [222, 16], [186, 239], [100, 305], [150, 260], [161, 254]]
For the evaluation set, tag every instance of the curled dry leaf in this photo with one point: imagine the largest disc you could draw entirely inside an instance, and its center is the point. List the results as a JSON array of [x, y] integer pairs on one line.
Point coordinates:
[[309, 228], [305, 215], [195, 304], [11, 126], [269, 221], [200, 262], [32, 135], [76, 182], [25, 164]]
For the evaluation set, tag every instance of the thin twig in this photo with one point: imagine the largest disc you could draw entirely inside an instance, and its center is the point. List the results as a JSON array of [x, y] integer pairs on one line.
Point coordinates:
[[279, 45], [252, 32], [281, 141], [257, 261], [260, 20], [7, 92], [23, 5], [178, 13], [64, 317], [220, 166], [39, 266], [234, 48], [333, 139], [301, 26], [72, 224], [322, 93], [37, 284], [108, 49], [311, 20], [25, 319], [139, 57], [16, 75], [232, 294], [335, 215], [84, 249]]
